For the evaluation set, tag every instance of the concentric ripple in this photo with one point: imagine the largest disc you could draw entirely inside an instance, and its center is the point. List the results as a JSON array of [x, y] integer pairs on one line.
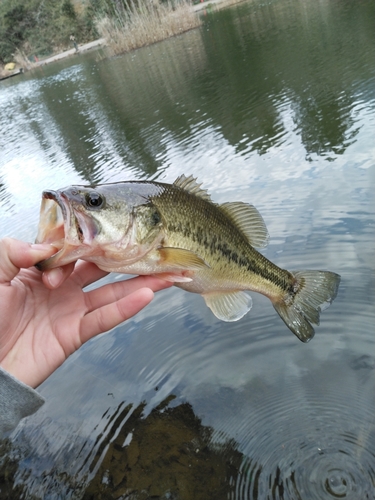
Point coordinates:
[[336, 474], [323, 459], [313, 441]]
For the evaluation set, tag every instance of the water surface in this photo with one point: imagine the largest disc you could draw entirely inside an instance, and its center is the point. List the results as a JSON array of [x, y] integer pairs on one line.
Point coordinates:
[[270, 103]]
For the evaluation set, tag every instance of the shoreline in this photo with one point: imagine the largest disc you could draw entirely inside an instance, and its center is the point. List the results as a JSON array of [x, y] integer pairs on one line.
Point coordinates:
[[19, 69], [101, 42], [215, 3], [71, 52]]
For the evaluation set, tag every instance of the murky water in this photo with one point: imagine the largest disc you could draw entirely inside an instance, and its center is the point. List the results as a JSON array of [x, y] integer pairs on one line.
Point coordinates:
[[270, 103]]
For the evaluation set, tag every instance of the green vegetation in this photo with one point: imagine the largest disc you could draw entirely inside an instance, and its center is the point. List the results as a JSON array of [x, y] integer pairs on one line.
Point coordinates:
[[37, 28]]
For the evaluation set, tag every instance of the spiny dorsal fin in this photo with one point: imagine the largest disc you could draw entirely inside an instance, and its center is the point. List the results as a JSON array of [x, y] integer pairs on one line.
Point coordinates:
[[191, 185], [228, 306], [247, 218]]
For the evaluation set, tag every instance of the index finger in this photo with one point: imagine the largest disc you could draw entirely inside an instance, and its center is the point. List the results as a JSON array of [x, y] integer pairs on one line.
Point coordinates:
[[82, 273], [114, 292]]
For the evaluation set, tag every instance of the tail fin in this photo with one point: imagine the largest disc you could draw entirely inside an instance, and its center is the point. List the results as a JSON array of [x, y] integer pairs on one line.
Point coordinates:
[[313, 292]]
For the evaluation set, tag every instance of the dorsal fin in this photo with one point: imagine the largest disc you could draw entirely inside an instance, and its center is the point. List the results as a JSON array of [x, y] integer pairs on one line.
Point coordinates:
[[247, 218], [191, 185]]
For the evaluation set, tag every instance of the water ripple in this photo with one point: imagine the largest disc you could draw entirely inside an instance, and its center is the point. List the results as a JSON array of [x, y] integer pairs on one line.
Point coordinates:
[[305, 446]]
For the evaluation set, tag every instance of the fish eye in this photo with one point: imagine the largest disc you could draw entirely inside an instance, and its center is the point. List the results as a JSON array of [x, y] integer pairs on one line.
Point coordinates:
[[94, 199], [155, 218]]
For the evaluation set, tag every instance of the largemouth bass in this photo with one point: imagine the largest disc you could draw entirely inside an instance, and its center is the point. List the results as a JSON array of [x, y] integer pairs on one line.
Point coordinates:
[[177, 232]]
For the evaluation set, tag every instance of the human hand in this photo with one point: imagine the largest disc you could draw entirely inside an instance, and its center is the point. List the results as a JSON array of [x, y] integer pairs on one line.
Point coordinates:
[[44, 318]]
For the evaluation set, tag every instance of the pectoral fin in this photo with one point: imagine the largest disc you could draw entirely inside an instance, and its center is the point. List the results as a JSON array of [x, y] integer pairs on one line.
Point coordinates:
[[179, 258], [230, 306]]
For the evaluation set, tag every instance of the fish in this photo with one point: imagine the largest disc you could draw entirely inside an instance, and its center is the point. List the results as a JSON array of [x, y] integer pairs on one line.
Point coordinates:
[[178, 233]]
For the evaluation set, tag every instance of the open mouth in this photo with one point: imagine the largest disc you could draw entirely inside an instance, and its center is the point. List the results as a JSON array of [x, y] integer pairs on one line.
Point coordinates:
[[62, 228], [51, 223]]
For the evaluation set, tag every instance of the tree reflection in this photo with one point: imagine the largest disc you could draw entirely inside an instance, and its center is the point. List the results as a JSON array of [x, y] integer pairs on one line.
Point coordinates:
[[167, 454], [303, 52]]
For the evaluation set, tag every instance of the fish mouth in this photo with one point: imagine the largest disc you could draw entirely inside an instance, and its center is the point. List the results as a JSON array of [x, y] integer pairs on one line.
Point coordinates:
[[69, 231]]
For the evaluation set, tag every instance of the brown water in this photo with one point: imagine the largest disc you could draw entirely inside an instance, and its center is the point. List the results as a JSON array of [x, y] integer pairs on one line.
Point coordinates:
[[270, 103]]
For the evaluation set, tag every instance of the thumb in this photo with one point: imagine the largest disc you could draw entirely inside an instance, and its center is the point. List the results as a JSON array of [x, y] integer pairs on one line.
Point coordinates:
[[15, 254]]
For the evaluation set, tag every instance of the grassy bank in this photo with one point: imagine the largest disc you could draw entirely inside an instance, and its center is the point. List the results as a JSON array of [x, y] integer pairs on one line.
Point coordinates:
[[31, 30], [145, 23]]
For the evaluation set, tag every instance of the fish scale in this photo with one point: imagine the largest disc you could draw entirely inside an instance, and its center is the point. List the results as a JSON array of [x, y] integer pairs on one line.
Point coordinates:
[[175, 231], [215, 241]]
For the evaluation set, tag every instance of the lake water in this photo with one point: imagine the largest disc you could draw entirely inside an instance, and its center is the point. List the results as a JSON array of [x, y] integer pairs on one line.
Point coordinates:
[[270, 103]]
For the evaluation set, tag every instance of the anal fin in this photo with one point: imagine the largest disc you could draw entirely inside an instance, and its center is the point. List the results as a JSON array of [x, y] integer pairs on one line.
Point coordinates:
[[228, 306]]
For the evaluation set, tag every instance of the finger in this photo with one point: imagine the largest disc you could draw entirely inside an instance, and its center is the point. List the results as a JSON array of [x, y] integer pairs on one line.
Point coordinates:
[[53, 278], [107, 317], [115, 291], [86, 273], [15, 254]]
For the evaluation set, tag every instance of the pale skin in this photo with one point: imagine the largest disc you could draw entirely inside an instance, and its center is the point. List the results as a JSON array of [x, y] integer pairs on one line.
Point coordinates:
[[46, 317]]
